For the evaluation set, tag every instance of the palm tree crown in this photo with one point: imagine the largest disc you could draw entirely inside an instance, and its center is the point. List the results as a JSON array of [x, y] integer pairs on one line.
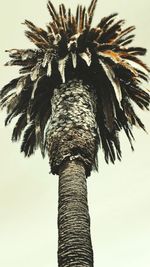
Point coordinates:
[[71, 49]]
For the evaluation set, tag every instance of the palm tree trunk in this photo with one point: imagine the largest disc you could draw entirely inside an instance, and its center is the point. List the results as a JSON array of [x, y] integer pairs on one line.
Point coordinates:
[[72, 143], [72, 130], [74, 240]]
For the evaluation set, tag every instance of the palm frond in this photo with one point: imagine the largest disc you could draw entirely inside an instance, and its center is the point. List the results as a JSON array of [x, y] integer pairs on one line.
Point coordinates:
[[29, 140], [70, 48], [9, 87], [19, 127], [91, 10]]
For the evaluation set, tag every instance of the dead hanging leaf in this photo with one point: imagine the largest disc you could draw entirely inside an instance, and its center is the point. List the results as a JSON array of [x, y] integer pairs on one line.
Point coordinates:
[[86, 56], [113, 80], [20, 85], [35, 71], [61, 67], [47, 61], [49, 69], [74, 59], [35, 86]]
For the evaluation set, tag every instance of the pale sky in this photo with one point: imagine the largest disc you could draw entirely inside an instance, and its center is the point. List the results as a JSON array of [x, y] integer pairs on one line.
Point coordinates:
[[119, 196]]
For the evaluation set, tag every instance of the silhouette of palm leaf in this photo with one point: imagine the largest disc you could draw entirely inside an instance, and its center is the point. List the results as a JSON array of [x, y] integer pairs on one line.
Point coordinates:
[[70, 48]]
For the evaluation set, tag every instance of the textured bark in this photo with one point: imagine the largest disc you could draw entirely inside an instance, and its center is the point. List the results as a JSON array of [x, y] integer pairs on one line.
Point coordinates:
[[74, 241], [72, 131], [72, 143]]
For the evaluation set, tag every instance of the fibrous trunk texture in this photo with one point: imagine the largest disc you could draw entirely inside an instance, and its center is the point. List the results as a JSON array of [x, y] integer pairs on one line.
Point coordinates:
[[72, 143], [74, 241], [72, 131]]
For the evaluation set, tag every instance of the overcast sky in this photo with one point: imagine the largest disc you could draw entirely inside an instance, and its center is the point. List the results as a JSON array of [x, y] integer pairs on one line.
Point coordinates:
[[119, 196]]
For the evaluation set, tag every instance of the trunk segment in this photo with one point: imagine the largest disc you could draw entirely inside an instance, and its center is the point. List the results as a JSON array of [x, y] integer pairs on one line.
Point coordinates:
[[72, 142], [72, 130], [74, 241]]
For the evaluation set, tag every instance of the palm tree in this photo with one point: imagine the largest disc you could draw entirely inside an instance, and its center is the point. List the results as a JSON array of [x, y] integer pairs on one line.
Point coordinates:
[[76, 91]]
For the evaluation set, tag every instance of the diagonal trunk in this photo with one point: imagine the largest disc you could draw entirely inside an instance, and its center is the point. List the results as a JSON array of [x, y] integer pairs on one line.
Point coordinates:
[[72, 143], [74, 244]]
